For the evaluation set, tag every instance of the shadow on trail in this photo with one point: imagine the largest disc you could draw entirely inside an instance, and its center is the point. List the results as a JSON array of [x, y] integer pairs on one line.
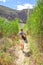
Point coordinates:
[[27, 54]]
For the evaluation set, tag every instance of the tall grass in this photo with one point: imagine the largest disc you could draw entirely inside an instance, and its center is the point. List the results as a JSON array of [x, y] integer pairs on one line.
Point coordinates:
[[35, 29]]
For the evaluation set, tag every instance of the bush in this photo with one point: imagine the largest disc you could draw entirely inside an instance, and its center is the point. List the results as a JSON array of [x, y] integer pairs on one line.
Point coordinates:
[[35, 29], [8, 28]]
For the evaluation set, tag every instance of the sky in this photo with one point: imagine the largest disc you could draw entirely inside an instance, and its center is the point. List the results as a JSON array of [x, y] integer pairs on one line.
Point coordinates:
[[18, 4]]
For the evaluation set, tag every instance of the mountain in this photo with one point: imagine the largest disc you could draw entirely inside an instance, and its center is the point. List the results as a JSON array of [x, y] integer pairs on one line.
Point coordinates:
[[11, 14]]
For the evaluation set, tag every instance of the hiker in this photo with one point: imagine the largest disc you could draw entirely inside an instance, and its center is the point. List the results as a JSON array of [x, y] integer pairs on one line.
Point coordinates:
[[23, 39], [23, 36]]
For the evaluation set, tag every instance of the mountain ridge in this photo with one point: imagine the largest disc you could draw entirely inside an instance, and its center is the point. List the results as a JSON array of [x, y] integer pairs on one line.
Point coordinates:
[[11, 14]]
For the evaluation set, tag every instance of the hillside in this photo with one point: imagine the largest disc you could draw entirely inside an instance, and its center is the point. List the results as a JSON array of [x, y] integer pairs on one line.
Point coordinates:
[[11, 14]]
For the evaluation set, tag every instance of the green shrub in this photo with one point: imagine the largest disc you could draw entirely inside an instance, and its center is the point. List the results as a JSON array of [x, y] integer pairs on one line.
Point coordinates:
[[35, 29], [8, 28]]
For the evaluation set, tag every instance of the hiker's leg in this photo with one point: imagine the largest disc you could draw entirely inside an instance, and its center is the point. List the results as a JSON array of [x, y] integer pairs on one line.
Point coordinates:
[[22, 46], [26, 41]]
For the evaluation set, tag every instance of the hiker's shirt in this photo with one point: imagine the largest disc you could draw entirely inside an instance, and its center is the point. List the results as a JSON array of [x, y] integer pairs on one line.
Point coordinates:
[[22, 34]]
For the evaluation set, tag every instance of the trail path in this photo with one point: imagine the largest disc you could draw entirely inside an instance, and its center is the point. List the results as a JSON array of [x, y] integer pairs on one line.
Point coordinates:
[[23, 57]]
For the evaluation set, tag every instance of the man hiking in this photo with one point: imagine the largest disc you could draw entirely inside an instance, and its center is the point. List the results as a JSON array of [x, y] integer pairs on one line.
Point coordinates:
[[23, 39], [23, 36]]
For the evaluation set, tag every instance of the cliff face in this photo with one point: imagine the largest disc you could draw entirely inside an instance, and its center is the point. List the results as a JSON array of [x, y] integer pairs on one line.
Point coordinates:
[[11, 14]]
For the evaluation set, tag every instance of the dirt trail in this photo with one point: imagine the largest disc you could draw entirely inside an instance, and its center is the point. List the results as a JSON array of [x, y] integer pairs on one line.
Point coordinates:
[[23, 57]]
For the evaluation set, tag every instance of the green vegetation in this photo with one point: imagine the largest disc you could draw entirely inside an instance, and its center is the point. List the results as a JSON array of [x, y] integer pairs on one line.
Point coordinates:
[[35, 29], [8, 28], [35, 23], [9, 34]]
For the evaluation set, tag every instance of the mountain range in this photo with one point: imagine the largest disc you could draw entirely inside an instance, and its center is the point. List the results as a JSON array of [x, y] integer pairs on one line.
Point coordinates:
[[11, 14]]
